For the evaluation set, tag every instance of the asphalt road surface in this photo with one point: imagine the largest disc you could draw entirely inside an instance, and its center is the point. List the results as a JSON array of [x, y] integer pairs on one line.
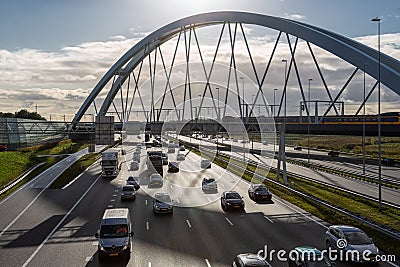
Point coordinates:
[[58, 228]]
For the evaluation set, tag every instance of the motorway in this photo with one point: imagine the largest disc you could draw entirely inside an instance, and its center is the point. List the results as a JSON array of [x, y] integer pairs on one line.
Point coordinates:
[[388, 194], [58, 228]]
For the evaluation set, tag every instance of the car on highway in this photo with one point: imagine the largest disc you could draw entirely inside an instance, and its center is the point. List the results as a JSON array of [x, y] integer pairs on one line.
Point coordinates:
[[209, 184], [128, 192], [298, 148], [115, 234], [171, 150], [162, 203], [164, 158], [388, 162], [173, 166], [333, 153], [307, 256], [235, 140], [180, 156], [134, 165], [232, 200], [349, 238], [259, 192], [136, 156], [123, 152], [182, 148], [3, 148], [155, 180], [133, 180], [249, 259], [205, 164]]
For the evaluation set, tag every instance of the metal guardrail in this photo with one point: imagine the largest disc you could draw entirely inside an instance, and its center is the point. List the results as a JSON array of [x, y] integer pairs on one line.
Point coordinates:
[[391, 232], [11, 184]]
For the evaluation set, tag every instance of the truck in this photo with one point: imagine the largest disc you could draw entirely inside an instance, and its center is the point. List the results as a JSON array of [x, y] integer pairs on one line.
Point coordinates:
[[154, 162], [110, 163]]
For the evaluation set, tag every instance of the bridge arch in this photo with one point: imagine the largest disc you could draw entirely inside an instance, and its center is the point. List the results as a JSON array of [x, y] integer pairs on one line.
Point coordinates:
[[349, 50]]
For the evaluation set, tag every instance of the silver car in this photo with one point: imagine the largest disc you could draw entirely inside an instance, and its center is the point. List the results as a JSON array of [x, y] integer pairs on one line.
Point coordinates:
[[352, 239], [156, 180], [180, 157], [134, 166]]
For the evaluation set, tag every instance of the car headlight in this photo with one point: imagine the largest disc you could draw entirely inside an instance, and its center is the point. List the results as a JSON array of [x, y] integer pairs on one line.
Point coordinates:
[[102, 248], [125, 247]]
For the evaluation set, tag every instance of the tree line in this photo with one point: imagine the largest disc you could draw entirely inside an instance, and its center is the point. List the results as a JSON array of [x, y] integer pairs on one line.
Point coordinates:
[[22, 114]]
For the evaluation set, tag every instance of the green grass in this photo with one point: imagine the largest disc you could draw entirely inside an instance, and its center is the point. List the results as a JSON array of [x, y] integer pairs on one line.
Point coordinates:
[[351, 144], [14, 163]]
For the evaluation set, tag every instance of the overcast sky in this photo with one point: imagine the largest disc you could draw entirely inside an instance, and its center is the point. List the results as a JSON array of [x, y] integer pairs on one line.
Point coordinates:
[[53, 53]]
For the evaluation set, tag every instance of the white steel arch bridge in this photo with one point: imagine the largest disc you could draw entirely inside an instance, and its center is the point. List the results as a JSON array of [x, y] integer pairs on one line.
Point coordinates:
[[120, 91]]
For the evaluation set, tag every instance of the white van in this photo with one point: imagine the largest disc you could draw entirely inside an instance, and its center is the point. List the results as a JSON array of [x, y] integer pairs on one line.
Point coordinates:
[[115, 233]]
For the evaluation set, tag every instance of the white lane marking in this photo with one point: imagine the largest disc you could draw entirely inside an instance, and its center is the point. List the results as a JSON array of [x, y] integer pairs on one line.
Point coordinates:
[[112, 200], [393, 264], [208, 263], [59, 224], [188, 223], [145, 201], [95, 243], [222, 185], [147, 226], [90, 258], [171, 186], [266, 217], [209, 199], [114, 195], [116, 190], [149, 263], [229, 221], [110, 206], [178, 201]]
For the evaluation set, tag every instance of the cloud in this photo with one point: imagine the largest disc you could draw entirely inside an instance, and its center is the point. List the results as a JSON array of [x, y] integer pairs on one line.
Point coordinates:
[[297, 17], [60, 81]]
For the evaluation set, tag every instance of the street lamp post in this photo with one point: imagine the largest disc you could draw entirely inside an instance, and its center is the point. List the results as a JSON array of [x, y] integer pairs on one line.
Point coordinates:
[[309, 119], [363, 139], [218, 114], [378, 20], [274, 102]]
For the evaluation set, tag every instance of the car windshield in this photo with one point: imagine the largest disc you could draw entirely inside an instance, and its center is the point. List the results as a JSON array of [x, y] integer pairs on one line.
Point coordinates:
[[318, 263], [155, 177], [233, 196], [261, 188], [357, 238], [128, 189], [210, 180], [131, 178], [113, 231], [163, 198]]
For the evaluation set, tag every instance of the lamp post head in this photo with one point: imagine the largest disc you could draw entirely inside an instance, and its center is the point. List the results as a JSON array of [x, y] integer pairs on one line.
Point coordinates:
[[284, 60], [376, 19]]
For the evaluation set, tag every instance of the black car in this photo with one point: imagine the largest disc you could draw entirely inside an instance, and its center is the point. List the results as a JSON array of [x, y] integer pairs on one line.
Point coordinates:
[[333, 153], [173, 166], [232, 200], [249, 259], [133, 181], [259, 192], [299, 148]]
